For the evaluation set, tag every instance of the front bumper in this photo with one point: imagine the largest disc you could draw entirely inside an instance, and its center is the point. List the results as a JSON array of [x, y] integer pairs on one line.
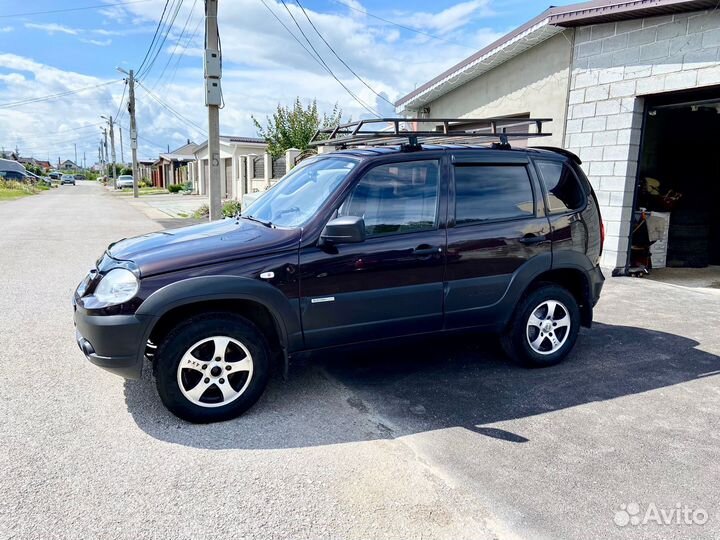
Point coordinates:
[[113, 342]]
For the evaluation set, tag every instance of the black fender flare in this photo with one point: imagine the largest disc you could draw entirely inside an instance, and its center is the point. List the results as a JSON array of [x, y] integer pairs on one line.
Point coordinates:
[[208, 288], [519, 283]]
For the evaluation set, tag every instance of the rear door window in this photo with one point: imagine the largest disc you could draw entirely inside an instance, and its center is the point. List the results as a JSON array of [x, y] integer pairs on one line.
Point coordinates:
[[563, 190], [491, 193]]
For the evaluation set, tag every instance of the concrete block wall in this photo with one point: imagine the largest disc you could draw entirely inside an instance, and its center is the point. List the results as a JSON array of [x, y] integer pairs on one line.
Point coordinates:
[[614, 66]]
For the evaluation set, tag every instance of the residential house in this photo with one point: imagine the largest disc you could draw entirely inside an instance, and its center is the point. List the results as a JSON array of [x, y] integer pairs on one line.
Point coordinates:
[[44, 165], [232, 165], [145, 169], [171, 168], [69, 165], [633, 88]]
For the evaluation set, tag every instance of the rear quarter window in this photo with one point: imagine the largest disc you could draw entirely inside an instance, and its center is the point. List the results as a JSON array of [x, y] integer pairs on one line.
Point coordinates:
[[563, 189]]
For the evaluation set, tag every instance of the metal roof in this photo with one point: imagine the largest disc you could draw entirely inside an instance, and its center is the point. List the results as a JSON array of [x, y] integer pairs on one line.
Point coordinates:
[[550, 22]]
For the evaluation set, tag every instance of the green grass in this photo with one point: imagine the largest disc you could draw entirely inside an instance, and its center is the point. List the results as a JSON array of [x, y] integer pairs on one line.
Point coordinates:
[[12, 194], [145, 191], [11, 190]]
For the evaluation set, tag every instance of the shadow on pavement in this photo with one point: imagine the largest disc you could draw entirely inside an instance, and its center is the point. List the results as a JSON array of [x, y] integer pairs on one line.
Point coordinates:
[[373, 393]]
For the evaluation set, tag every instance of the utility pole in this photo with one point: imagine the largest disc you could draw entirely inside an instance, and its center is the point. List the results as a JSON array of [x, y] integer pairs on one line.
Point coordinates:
[[105, 147], [213, 99], [76, 160], [133, 131], [122, 154], [112, 149]]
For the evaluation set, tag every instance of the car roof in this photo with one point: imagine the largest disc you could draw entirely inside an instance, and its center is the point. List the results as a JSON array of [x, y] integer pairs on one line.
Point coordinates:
[[11, 165], [377, 151]]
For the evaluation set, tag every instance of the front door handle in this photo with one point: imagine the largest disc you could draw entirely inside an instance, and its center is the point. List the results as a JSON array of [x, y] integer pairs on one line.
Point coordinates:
[[533, 239], [425, 249]]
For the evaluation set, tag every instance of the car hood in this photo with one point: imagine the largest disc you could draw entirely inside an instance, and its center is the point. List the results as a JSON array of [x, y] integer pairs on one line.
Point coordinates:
[[203, 244]]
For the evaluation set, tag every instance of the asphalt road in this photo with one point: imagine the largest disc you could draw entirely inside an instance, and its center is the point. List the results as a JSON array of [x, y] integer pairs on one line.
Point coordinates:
[[441, 439]]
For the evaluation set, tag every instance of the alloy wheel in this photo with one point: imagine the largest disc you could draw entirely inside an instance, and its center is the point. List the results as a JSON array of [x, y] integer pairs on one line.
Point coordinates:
[[215, 371], [548, 327]]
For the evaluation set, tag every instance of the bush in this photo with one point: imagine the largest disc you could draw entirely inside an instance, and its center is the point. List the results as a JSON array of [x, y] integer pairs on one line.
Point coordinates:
[[175, 188], [202, 212], [231, 208]]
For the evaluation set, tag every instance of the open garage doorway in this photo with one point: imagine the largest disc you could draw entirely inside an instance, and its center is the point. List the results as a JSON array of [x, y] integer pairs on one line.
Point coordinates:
[[678, 189]]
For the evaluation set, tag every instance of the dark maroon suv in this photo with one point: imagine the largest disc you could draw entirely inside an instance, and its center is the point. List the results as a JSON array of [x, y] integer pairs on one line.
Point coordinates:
[[362, 244]]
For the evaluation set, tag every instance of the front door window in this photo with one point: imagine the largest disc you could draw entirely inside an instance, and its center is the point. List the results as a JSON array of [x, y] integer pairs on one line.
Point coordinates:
[[396, 198]]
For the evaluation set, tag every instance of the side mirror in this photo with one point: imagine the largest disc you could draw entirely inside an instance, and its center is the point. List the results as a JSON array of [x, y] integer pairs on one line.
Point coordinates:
[[343, 230]]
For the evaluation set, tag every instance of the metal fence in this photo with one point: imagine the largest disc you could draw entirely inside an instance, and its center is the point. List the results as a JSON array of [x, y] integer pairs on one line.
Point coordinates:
[[258, 167], [279, 167]]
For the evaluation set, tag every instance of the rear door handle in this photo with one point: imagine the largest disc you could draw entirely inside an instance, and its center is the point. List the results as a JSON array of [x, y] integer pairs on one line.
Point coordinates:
[[532, 239], [425, 249]]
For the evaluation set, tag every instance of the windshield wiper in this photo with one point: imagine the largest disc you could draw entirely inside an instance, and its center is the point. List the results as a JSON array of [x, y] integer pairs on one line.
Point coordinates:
[[262, 221]]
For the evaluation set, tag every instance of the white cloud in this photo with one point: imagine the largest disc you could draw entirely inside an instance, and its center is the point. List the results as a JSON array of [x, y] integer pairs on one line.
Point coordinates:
[[52, 28], [99, 43], [262, 66], [4, 29], [450, 19]]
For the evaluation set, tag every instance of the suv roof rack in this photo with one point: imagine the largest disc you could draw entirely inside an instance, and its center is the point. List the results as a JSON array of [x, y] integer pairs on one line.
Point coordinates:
[[408, 133]]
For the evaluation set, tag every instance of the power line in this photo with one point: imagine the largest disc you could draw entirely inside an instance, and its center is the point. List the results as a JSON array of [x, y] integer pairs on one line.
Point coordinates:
[[409, 28], [338, 56], [356, 98], [158, 50], [319, 61], [122, 99], [187, 44], [171, 110], [157, 29], [97, 6], [177, 42], [53, 96]]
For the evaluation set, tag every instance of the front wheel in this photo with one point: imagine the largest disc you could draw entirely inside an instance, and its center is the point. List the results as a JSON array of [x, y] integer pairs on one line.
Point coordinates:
[[544, 327], [212, 367]]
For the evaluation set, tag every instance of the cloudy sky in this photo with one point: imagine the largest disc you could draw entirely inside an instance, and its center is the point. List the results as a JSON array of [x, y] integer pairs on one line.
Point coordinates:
[[70, 50]]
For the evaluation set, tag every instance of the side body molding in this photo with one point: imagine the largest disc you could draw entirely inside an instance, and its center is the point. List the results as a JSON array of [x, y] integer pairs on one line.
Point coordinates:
[[285, 311]]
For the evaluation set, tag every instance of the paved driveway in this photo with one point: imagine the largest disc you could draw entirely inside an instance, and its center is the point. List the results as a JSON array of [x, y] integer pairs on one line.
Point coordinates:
[[439, 439]]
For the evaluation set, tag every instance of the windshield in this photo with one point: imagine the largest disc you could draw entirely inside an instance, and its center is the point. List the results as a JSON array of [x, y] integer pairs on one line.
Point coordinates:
[[296, 198]]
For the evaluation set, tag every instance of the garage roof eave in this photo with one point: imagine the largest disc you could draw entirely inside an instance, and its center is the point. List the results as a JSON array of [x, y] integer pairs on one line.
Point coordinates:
[[549, 23], [502, 50]]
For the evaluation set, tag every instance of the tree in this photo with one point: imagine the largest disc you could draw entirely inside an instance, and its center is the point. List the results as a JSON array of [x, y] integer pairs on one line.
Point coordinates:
[[294, 127]]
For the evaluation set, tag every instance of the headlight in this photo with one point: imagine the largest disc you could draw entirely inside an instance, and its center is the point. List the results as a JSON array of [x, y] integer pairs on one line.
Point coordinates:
[[117, 286]]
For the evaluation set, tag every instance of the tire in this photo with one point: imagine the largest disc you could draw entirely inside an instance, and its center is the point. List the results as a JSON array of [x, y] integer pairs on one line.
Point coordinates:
[[206, 389], [517, 337]]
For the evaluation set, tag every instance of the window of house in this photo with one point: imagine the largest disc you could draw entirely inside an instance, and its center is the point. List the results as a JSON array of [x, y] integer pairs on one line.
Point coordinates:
[[396, 198], [492, 192], [562, 187]]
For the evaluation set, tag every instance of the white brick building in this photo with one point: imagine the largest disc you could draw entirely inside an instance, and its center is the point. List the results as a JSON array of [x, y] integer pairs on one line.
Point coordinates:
[[620, 80]]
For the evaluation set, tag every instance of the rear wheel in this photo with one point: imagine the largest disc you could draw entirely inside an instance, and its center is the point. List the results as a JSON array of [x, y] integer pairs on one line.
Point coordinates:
[[212, 367], [544, 327]]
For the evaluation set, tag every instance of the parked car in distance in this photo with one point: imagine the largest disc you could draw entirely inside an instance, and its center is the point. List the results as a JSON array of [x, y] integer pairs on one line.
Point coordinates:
[[80, 177], [54, 175], [12, 170], [124, 181], [67, 179], [358, 245], [45, 180]]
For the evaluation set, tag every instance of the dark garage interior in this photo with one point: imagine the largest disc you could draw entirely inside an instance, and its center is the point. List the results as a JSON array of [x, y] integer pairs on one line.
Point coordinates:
[[679, 182]]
